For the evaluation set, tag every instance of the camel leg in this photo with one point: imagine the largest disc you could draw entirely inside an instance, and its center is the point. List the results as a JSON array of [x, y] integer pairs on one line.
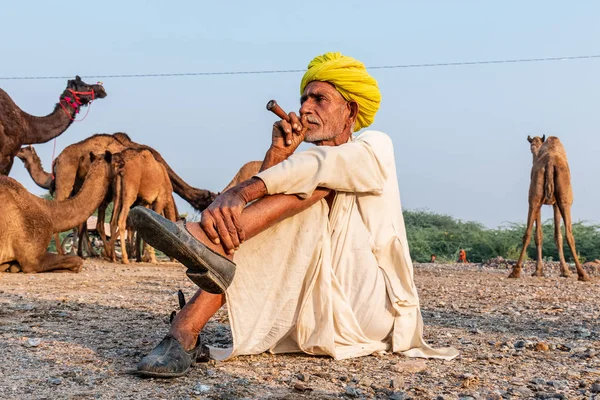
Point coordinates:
[[516, 272], [564, 268], [59, 249], [128, 197], [84, 240], [52, 263], [100, 227], [566, 213], [539, 266], [138, 247], [117, 208]]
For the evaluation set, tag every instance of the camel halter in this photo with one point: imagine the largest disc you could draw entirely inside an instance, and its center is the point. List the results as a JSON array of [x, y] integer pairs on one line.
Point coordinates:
[[75, 102]]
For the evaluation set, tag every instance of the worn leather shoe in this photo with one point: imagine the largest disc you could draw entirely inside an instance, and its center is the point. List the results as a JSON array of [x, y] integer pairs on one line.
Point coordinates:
[[168, 360], [209, 270]]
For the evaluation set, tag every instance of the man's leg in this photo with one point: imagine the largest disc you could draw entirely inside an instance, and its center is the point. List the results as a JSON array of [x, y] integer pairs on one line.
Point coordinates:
[[255, 218]]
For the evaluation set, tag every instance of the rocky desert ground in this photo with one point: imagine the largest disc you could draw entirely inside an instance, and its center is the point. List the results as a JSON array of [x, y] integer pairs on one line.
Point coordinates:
[[79, 336]]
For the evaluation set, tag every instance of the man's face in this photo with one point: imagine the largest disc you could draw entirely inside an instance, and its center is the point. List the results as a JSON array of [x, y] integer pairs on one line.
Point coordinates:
[[326, 111]]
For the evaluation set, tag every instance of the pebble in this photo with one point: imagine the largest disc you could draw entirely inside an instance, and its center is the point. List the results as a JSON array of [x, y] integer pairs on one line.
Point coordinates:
[[301, 387], [55, 381], [399, 396], [541, 346], [397, 382], [352, 392], [595, 387], [200, 388], [32, 342]]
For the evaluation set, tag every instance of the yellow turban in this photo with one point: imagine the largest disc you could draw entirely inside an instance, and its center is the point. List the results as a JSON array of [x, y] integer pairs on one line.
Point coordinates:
[[351, 79]]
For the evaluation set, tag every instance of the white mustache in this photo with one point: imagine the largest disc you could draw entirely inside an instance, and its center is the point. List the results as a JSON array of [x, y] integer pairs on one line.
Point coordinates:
[[312, 119]]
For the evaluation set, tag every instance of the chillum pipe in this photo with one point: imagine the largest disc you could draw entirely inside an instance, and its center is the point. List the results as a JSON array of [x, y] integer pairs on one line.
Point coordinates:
[[274, 107]]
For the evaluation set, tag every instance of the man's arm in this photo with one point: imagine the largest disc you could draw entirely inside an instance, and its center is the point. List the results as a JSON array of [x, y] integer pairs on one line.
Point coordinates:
[[361, 167], [220, 221]]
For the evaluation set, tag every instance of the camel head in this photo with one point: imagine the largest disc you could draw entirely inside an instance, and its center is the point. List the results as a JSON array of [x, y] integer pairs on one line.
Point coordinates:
[[535, 143], [101, 160], [27, 153], [84, 90]]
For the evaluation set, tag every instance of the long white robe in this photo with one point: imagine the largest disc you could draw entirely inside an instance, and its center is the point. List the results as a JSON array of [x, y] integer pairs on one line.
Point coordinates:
[[333, 282]]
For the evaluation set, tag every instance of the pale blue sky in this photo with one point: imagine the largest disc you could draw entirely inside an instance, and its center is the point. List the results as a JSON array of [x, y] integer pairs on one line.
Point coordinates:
[[459, 132]]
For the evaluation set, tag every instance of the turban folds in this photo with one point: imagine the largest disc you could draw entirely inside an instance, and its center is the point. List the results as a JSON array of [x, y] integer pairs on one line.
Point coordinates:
[[352, 81]]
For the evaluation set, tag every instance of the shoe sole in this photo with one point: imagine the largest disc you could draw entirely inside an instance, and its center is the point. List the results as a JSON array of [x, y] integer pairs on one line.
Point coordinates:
[[201, 274]]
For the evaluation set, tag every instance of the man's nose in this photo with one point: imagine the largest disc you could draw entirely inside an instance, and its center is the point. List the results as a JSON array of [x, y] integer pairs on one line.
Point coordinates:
[[306, 108]]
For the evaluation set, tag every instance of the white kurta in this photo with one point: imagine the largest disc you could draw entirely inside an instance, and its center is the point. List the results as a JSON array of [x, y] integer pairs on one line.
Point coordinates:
[[339, 282]]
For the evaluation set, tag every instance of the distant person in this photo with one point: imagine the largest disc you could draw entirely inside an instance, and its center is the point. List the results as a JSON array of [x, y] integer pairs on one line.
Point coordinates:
[[322, 261], [462, 256], [433, 257]]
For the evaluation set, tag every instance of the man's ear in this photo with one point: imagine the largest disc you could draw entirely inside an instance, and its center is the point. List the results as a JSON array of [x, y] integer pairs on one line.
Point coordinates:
[[354, 108]]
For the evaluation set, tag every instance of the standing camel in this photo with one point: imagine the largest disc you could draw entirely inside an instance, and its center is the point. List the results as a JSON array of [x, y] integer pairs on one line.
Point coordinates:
[[138, 178], [71, 165], [18, 127], [28, 221], [550, 184]]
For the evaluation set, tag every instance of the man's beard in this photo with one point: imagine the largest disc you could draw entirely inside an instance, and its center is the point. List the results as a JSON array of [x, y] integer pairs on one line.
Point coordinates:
[[321, 134], [318, 136]]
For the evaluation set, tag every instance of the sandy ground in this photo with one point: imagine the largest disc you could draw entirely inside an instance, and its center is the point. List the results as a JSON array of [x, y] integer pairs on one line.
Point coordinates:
[[76, 336]]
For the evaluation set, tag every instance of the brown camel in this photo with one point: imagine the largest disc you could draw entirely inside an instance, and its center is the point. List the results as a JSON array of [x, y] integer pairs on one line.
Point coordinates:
[[33, 164], [71, 166], [18, 128], [28, 221], [550, 184], [70, 169], [197, 198], [247, 171], [138, 178]]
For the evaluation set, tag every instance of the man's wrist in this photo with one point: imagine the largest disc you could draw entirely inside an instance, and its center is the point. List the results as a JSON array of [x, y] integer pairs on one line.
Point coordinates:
[[273, 157], [252, 189]]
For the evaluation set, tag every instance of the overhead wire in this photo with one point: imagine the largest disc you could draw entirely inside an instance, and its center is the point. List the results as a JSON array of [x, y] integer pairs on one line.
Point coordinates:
[[285, 71]]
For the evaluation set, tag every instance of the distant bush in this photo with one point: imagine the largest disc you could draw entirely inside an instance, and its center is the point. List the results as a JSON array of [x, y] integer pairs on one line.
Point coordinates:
[[433, 233]]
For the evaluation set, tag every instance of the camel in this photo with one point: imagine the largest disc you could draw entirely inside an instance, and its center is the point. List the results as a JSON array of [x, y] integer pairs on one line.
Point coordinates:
[[70, 169], [550, 184], [18, 127], [247, 171], [28, 221], [138, 178], [197, 198], [33, 164]]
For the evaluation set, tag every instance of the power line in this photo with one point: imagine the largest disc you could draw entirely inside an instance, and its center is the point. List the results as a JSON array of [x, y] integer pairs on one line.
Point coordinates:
[[286, 71]]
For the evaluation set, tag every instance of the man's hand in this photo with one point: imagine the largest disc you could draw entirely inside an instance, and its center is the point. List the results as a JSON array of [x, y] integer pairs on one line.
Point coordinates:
[[221, 220], [287, 136]]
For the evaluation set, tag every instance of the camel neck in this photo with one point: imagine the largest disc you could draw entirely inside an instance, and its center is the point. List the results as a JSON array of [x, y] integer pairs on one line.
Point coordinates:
[[73, 212], [44, 129], [41, 178]]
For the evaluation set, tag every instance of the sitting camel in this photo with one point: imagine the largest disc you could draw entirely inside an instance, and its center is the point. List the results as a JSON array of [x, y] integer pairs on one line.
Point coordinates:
[[550, 184], [138, 178], [18, 127], [33, 164], [28, 221]]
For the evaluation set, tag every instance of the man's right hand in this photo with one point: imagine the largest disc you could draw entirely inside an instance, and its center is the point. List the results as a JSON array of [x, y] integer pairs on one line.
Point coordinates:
[[287, 136]]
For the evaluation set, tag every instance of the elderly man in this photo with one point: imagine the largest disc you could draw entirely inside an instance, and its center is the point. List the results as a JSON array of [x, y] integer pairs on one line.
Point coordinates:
[[323, 265]]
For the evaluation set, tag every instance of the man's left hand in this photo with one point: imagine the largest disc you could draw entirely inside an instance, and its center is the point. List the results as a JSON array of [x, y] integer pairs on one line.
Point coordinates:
[[221, 220]]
